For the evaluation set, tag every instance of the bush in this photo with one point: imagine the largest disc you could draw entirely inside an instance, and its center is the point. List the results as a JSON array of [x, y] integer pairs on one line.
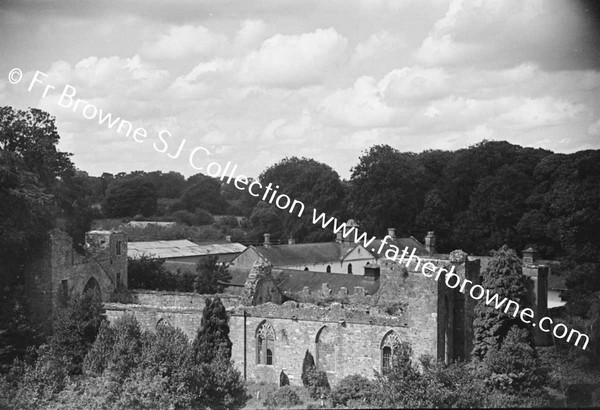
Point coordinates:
[[283, 379], [284, 397], [307, 364], [318, 385], [514, 367], [353, 391]]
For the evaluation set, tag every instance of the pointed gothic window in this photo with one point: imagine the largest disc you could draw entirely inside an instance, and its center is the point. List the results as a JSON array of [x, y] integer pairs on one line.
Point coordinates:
[[389, 343], [265, 344]]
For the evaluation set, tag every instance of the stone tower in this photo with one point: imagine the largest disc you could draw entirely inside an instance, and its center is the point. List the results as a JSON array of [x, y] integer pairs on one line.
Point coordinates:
[[57, 272]]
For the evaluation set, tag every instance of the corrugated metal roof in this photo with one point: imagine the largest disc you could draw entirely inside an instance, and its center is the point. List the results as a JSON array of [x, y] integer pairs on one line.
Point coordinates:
[[180, 249]]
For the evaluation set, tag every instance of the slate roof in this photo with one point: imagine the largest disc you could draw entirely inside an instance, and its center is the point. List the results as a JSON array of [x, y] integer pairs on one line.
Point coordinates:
[[401, 243], [180, 249], [291, 280], [144, 224], [301, 254], [295, 280]]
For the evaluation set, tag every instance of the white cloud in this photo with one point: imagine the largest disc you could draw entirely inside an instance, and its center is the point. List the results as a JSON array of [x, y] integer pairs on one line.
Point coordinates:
[[594, 129], [414, 82], [285, 131], [541, 112], [184, 41], [292, 61], [250, 32], [359, 106], [378, 45]]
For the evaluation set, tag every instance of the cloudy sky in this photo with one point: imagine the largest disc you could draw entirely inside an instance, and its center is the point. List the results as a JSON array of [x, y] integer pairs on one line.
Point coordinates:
[[256, 81]]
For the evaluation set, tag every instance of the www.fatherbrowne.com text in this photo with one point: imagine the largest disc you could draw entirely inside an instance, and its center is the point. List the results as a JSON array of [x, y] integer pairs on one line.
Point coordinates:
[[268, 193]]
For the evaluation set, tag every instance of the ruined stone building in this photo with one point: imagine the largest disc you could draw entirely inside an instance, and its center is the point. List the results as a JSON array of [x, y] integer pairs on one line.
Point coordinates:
[[350, 323], [59, 271]]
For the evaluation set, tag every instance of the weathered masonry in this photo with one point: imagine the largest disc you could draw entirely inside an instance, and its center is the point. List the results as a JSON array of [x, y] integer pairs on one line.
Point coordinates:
[[350, 323], [59, 271]]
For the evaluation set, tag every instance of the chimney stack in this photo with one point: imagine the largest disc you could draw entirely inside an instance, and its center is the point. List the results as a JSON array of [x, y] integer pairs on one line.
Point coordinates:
[[291, 241], [267, 243], [530, 255], [430, 242], [392, 232]]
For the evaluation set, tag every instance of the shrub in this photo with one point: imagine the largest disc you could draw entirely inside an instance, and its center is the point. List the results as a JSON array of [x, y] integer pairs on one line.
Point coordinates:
[[318, 385], [283, 379], [514, 366], [353, 391], [307, 364], [284, 397]]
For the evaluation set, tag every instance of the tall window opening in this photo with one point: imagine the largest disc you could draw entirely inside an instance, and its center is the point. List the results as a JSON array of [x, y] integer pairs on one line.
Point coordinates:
[[389, 344], [265, 344]]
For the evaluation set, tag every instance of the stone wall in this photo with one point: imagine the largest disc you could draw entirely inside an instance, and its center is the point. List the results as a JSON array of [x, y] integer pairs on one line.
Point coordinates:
[[58, 272], [355, 340], [357, 332]]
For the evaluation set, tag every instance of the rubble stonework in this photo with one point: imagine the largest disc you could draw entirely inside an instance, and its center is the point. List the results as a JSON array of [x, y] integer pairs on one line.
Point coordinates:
[[346, 330], [58, 271]]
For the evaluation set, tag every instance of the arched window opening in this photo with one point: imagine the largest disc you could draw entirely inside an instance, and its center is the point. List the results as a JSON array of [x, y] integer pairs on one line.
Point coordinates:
[[92, 285], [350, 268], [325, 349], [328, 269], [390, 342], [265, 344]]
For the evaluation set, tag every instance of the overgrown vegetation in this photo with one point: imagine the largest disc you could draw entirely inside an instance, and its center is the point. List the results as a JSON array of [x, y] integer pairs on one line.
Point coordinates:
[[125, 367], [149, 273]]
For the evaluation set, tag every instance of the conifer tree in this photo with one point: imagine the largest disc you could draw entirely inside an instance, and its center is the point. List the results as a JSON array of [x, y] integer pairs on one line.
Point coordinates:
[[212, 340], [307, 365], [503, 276]]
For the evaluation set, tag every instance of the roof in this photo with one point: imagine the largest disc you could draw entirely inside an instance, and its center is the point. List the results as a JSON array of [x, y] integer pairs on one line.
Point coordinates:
[[180, 249], [291, 280], [301, 254], [325, 252], [400, 243], [295, 280], [144, 224]]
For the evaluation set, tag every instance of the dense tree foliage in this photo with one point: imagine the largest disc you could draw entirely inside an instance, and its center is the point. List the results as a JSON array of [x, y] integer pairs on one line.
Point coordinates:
[[202, 192], [387, 189], [126, 367], [314, 184], [503, 276], [146, 272], [212, 340], [212, 276], [130, 197]]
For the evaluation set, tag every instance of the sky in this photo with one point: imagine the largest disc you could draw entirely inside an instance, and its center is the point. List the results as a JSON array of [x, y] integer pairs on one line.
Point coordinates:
[[253, 82]]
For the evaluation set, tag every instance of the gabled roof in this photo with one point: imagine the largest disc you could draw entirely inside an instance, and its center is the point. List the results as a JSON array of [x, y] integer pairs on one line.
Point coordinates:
[[145, 224], [180, 249], [301, 254], [295, 280], [291, 280], [401, 243]]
